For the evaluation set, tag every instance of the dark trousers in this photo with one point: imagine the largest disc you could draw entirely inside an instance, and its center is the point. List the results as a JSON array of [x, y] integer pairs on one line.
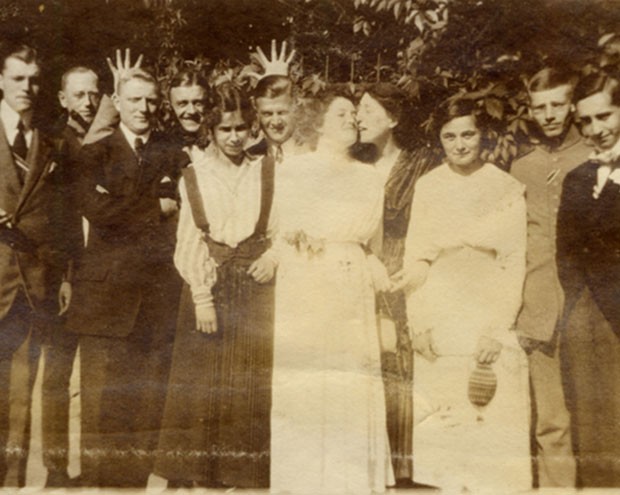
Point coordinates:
[[18, 368], [123, 389], [591, 365], [60, 348]]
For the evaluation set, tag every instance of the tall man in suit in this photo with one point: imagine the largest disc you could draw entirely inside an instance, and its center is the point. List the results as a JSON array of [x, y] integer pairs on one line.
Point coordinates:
[[126, 289], [555, 149], [32, 255], [79, 96], [588, 254]]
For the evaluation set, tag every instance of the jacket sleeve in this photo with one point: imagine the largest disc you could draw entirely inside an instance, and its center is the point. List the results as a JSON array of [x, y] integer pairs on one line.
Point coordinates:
[[570, 242]]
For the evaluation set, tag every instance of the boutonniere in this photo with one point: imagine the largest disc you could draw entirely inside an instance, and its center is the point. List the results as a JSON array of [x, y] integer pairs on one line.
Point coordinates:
[[53, 166]]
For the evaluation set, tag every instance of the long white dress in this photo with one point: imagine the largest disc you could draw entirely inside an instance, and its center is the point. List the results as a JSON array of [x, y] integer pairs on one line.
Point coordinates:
[[328, 409], [472, 230]]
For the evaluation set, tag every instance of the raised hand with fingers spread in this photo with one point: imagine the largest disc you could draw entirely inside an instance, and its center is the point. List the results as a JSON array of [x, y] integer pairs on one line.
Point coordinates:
[[278, 65], [123, 65]]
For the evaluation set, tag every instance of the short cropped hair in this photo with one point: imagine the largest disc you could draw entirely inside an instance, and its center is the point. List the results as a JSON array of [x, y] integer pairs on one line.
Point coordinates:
[[20, 51], [274, 86], [78, 69], [139, 74], [551, 78], [596, 83]]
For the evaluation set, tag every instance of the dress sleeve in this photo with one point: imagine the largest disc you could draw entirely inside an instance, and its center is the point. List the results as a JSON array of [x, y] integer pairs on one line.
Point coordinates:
[[510, 252], [421, 243], [191, 256]]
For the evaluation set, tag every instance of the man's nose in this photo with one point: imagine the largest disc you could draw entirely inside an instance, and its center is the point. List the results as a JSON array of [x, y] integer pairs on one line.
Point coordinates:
[[191, 108], [143, 106], [549, 116]]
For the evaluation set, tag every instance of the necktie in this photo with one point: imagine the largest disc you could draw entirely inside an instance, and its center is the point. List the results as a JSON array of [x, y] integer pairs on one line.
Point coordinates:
[[279, 154], [139, 147], [20, 148], [19, 145]]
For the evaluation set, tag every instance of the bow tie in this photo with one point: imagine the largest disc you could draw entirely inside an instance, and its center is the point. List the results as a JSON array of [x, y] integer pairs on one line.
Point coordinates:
[[606, 157]]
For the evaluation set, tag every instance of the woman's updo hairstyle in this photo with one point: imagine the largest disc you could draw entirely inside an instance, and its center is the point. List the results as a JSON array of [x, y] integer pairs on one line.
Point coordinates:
[[398, 106], [310, 112], [227, 97]]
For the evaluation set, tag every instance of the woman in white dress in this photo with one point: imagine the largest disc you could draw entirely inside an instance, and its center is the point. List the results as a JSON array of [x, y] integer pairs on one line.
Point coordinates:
[[465, 263], [328, 410]]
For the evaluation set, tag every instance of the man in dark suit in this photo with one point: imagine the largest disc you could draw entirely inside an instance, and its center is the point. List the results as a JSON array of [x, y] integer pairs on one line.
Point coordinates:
[[79, 96], [32, 255], [126, 289], [588, 255]]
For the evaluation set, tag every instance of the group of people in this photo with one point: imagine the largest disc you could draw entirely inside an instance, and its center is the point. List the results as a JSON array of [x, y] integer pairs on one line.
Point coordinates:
[[280, 311]]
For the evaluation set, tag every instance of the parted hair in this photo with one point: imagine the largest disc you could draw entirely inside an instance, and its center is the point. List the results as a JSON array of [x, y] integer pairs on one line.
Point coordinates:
[[21, 51], [188, 77], [226, 97], [598, 82], [273, 86], [140, 75], [551, 78]]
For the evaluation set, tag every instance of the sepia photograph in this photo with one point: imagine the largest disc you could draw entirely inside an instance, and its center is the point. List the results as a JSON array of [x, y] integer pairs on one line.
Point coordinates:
[[310, 247]]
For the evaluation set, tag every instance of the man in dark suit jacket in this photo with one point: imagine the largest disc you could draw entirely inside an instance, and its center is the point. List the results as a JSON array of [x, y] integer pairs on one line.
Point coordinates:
[[79, 96], [588, 256], [32, 255], [126, 289]]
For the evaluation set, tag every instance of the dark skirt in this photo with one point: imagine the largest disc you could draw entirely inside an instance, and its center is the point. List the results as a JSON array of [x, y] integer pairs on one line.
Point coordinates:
[[216, 425], [591, 367]]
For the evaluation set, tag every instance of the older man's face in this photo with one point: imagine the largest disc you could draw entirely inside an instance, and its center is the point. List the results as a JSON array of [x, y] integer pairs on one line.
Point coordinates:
[[81, 95]]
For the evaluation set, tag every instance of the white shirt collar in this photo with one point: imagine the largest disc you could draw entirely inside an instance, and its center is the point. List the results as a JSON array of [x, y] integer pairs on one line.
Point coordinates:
[[605, 171], [131, 137], [10, 118]]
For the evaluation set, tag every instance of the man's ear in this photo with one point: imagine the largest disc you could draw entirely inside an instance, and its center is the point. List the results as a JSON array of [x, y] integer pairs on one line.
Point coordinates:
[[116, 102], [572, 108], [62, 98], [1, 82]]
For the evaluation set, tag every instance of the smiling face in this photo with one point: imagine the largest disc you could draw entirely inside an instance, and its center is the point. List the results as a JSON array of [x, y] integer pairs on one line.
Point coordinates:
[[551, 108], [231, 134], [81, 95], [461, 140], [19, 82], [188, 103], [599, 120], [339, 122], [276, 117], [373, 120], [137, 102]]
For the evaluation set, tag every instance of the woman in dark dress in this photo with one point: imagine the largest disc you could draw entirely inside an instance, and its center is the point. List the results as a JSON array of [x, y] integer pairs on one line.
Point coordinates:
[[381, 115], [215, 430]]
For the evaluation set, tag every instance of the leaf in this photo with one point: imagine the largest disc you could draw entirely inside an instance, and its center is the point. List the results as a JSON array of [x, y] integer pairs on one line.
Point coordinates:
[[418, 20], [494, 107]]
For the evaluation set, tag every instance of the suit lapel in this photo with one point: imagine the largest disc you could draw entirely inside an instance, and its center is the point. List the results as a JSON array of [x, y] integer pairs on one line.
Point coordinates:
[[37, 159], [10, 189], [126, 158]]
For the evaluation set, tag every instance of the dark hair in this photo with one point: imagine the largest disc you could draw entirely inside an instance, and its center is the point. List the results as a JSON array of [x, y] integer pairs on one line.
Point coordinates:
[[226, 97], [23, 52], [551, 78], [311, 112], [596, 83], [188, 77], [79, 69], [274, 86], [454, 108], [398, 106]]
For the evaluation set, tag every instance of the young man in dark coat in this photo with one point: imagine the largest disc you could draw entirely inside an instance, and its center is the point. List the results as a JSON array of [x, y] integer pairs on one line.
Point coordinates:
[[126, 288]]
